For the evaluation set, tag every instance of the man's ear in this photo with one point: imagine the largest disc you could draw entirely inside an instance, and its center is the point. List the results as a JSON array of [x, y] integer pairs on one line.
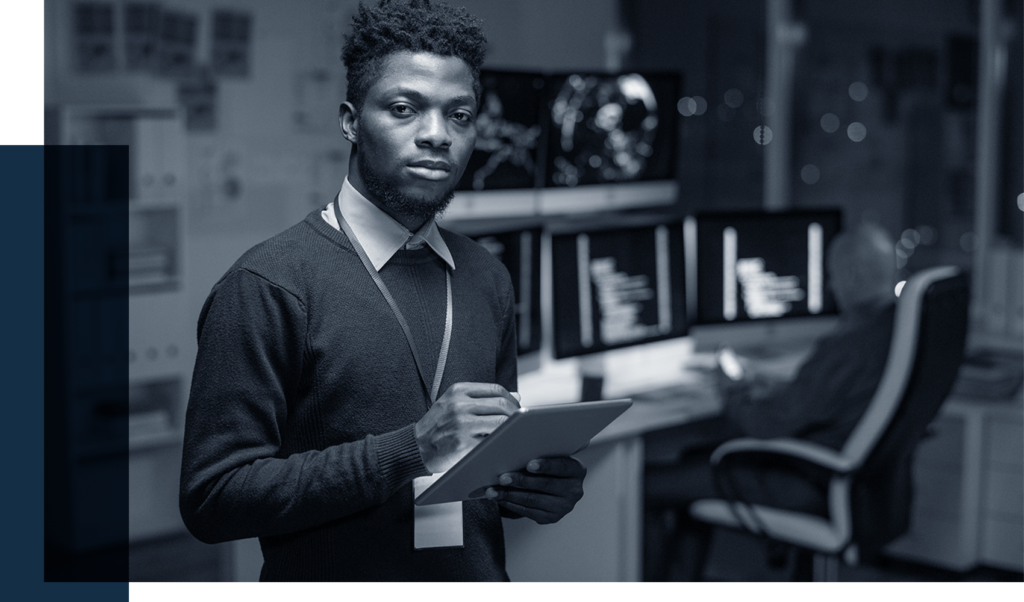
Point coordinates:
[[348, 119]]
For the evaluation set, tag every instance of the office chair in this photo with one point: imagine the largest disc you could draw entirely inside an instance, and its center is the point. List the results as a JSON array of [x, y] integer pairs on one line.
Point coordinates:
[[869, 487]]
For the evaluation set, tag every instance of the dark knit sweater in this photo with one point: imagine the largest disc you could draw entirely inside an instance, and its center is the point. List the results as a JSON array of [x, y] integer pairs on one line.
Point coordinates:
[[299, 428]]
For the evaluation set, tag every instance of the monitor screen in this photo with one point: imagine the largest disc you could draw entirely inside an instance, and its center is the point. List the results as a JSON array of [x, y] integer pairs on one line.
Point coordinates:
[[761, 266], [519, 251], [610, 128], [617, 287], [509, 133]]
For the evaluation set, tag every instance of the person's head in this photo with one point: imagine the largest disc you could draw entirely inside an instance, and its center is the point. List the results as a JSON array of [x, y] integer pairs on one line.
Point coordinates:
[[862, 266], [413, 89]]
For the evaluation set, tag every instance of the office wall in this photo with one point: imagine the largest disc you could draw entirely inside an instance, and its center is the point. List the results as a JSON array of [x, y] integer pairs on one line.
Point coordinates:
[[542, 35]]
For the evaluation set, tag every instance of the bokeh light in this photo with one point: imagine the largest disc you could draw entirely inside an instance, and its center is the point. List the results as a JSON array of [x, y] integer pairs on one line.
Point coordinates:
[[902, 250], [734, 98], [968, 242], [810, 174], [687, 106], [702, 105], [858, 91], [762, 135], [830, 122], [856, 131]]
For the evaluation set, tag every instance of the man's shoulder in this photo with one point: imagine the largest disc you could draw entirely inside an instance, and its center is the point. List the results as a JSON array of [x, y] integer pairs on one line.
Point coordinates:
[[285, 258], [865, 330]]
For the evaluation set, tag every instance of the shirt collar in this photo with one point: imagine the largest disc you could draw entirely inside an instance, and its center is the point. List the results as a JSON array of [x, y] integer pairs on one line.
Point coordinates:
[[380, 235]]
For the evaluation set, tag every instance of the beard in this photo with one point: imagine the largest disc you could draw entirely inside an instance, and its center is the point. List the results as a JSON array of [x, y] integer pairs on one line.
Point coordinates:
[[397, 201]]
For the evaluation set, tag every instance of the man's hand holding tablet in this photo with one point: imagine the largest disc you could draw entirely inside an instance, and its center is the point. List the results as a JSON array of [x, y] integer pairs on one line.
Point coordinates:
[[546, 491]]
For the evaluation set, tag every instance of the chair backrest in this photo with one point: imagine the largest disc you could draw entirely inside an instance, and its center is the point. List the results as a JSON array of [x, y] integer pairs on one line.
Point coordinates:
[[929, 331]]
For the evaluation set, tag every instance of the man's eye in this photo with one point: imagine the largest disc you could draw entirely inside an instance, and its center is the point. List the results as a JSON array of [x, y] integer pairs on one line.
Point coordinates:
[[401, 109], [462, 116]]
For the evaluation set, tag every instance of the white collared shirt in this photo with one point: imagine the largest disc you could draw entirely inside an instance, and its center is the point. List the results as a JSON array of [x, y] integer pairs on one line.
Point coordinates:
[[380, 235]]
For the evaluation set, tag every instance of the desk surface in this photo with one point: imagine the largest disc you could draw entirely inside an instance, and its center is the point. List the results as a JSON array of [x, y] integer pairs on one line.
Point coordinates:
[[635, 371], [645, 416]]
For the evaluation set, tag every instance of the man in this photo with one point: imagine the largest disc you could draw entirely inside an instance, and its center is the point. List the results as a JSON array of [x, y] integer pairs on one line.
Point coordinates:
[[822, 403], [365, 348]]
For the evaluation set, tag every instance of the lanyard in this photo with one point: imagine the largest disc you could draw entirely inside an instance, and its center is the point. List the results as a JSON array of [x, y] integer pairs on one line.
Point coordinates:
[[445, 342]]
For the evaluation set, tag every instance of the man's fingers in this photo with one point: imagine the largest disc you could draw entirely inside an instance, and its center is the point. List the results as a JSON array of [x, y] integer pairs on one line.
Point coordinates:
[[523, 481], [480, 389], [557, 467], [485, 390], [485, 425], [488, 406], [542, 509], [545, 492]]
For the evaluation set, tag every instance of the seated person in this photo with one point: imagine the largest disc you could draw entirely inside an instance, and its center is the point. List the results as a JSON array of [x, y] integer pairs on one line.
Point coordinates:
[[822, 403]]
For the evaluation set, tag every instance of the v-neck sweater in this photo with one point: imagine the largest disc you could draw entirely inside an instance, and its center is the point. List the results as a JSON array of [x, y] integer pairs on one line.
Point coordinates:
[[299, 427]]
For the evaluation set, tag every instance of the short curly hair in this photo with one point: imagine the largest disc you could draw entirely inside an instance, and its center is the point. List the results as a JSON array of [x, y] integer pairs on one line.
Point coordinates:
[[414, 26]]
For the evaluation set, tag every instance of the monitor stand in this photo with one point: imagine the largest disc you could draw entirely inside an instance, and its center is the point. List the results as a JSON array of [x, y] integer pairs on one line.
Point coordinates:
[[592, 375]]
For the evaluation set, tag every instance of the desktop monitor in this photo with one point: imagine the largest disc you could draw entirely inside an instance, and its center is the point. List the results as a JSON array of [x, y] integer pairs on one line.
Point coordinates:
[[509, 133], [506, 166], [763, 270], [519, 249], [611, 140], [617, 286]]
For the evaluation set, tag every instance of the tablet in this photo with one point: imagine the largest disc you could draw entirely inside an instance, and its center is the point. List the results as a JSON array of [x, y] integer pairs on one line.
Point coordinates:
[[548, 431]]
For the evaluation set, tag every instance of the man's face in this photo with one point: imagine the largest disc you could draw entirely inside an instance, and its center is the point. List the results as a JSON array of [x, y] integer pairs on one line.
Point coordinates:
[[414, 134]]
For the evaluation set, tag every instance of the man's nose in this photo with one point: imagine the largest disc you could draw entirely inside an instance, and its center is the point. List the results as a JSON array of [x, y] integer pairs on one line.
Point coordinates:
[[434, 130]]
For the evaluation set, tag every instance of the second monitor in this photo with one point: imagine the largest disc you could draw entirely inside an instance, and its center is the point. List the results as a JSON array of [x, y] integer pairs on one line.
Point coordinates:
[[760, 276], [619, 286]]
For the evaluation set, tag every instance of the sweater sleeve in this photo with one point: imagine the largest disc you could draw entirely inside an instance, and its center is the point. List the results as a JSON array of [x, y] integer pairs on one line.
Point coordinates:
[[234, 481]]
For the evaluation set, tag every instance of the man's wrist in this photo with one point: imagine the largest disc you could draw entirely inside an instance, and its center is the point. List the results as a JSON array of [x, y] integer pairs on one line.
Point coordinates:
[[398, 456]]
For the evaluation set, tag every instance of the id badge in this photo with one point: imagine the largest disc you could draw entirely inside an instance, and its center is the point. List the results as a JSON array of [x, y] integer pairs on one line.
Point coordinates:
[[436, 525]]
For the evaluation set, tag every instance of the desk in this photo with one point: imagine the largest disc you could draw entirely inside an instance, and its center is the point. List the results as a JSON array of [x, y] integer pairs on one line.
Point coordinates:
[[602, 538], [969, 489]]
